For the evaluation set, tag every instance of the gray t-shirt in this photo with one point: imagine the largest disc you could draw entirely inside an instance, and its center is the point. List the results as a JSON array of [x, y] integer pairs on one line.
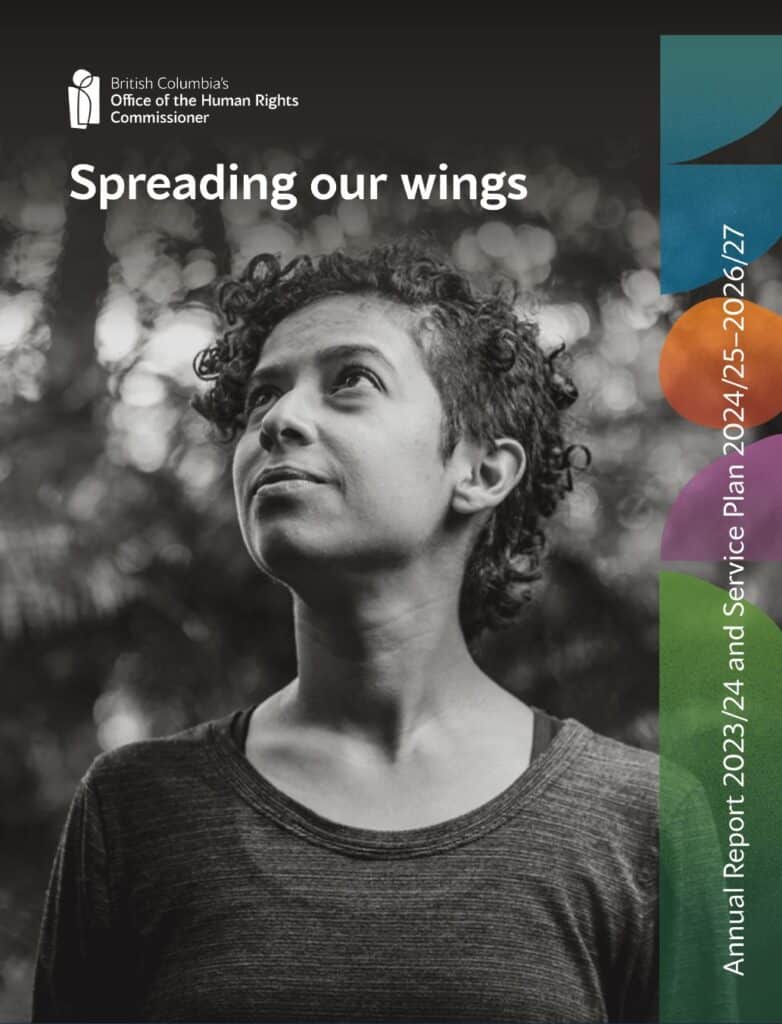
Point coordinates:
[[187, 887]]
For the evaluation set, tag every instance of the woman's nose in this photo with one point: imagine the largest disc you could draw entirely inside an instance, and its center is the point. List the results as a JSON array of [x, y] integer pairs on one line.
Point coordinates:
[[289, 419]]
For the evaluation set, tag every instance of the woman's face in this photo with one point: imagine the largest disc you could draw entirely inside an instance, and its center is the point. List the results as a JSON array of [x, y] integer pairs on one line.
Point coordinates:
[[343, 435]]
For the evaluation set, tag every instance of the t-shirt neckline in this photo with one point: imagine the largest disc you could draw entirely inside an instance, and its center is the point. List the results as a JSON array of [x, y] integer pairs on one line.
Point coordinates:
[[264, 796]]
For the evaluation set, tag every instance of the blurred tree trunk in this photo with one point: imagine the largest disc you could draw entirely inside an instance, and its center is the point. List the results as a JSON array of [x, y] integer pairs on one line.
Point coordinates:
[[74, 379], [213, 234]]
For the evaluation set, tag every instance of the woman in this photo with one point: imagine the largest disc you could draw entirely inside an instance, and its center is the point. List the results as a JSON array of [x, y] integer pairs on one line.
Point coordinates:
[[392, 836]]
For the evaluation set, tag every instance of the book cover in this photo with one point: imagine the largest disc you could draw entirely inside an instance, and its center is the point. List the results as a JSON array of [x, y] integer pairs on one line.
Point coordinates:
[[616, 189]]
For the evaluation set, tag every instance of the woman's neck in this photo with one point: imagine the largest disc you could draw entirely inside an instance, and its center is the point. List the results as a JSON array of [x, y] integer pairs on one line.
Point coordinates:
[[381, 668]]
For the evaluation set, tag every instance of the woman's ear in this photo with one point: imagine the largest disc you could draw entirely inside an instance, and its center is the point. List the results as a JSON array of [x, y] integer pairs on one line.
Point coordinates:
[[494, 471]]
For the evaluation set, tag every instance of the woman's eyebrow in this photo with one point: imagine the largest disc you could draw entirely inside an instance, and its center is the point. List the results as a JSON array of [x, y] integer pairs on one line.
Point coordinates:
[[327, 355], [336, 352]]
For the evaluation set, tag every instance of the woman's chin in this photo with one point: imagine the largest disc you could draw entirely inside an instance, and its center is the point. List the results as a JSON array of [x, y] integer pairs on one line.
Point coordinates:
[[289, 554]]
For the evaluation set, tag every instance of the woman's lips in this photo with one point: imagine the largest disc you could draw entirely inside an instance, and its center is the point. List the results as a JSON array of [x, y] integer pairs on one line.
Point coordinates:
[[273, 475], [289, 485], [284, 482]]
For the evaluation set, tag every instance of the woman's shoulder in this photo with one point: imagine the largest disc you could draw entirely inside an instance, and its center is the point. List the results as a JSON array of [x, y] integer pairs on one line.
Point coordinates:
[[605, 789], [615, 766], [171, 762]]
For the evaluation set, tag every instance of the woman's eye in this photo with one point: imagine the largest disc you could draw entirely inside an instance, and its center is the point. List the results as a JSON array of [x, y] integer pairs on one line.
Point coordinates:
[[354, 376], [259, 398]]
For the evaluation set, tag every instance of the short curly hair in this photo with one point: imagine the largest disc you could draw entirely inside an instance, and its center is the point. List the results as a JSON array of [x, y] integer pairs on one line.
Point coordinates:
[[493, 378]]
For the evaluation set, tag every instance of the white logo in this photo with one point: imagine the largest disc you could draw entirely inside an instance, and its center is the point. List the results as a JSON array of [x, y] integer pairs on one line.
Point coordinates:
[[84, 99]]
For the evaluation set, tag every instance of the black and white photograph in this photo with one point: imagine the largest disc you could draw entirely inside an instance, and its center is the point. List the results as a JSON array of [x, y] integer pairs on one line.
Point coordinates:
[[334, 465]]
